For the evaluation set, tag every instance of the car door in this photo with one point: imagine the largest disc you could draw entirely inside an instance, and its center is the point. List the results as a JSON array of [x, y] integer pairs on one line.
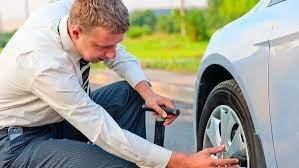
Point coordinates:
[[284, 81]]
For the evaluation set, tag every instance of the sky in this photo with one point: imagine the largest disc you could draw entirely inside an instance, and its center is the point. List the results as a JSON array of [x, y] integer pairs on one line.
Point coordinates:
[[15, 9]]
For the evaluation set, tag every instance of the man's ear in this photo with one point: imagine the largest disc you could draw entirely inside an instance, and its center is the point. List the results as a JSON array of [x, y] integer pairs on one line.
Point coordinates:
[[76, 31]]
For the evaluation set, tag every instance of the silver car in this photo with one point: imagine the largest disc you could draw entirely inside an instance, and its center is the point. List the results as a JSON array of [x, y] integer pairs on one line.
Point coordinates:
[[247, 90]]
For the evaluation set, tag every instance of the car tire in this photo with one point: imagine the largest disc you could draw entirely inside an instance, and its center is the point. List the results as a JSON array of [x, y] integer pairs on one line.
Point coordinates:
[[229, 94]]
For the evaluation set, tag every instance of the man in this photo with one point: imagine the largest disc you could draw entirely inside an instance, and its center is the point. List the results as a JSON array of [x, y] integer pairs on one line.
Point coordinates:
[[47, 111]]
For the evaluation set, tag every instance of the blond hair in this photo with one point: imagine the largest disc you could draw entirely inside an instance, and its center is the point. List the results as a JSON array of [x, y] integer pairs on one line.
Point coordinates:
[[109, 14]]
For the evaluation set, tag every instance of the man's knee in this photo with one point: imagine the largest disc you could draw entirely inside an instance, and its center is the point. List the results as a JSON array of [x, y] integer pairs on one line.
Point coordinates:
[[124, 84], [127, 94], [117, 96], [124, 87]]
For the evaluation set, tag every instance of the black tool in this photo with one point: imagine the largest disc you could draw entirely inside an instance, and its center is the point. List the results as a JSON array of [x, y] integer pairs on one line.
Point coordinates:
[[159, 127]]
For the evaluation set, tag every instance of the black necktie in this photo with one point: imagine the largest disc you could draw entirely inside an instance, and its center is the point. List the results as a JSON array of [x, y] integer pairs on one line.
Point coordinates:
[[85, 68]]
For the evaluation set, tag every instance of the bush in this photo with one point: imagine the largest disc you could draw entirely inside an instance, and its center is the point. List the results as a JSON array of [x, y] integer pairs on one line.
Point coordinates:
[[196, 26], [166, 24], [138, 31]]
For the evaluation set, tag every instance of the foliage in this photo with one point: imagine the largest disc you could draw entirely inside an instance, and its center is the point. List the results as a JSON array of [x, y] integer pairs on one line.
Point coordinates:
[[4, 38], [221, 12], [165, 24], [169, 23], [214, 5], [136, 31], [229, 12], [213, 18], [200, 23], [143, 18], [196, 25]]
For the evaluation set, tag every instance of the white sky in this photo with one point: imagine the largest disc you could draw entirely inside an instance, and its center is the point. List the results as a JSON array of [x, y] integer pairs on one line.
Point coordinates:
[[15, 9]]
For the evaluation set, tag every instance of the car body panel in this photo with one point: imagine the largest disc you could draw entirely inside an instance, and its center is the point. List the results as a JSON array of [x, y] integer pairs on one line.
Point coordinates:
[[242, 48], [284, 82]]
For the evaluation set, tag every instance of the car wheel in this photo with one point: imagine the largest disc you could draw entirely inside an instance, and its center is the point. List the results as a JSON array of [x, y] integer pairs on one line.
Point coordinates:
[[226, 120]]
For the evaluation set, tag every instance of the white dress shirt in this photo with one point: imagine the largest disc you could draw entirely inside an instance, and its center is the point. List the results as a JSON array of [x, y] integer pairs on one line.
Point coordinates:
[[41, 84]]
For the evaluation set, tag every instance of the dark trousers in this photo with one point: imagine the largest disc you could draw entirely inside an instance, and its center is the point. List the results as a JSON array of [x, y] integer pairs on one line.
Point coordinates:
[[61, 145]]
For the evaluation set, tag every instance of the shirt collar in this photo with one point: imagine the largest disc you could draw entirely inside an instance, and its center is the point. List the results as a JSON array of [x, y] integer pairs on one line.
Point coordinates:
[[65, 38]]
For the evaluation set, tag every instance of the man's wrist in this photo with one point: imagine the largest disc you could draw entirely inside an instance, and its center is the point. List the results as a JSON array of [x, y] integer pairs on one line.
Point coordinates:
[[176, 160], [144, 89]]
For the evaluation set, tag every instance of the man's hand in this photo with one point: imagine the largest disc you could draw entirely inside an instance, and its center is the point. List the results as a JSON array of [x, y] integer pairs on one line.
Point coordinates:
[[153, 100], [201, 159]]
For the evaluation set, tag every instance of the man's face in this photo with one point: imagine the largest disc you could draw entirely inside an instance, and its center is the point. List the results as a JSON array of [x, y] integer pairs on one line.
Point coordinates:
[[96, 45]]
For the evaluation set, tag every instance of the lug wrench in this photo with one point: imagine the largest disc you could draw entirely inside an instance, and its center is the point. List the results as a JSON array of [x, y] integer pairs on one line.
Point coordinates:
[[159, 127]]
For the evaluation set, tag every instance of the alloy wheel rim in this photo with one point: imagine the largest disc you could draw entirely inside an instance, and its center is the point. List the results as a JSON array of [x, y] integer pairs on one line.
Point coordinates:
[[225, 128]]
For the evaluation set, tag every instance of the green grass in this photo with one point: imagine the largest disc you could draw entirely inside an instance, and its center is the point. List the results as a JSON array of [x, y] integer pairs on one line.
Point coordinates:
[[168, 52]]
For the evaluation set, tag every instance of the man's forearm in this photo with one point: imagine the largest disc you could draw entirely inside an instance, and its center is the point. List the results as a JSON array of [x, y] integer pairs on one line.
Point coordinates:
[[144, 89]]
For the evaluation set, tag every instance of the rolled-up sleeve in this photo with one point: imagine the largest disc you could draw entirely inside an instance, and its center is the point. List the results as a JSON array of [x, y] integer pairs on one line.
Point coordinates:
[[127, 66], [60, 89]]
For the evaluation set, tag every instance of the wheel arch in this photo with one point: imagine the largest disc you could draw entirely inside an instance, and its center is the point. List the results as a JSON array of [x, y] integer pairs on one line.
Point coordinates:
[[211, 77], [214, 70]]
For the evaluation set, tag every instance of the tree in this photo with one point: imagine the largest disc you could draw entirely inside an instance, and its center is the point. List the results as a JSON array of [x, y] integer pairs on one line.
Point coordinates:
[[167, 24], [221, 12], [214, 5], [213, 18], [232, 9], [142, 18], [196, 25], [175, 16]]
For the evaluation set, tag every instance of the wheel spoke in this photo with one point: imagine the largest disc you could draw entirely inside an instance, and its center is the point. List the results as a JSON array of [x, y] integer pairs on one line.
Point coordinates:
[[213, 131], [237, 147], [224, 127], [227, 123]]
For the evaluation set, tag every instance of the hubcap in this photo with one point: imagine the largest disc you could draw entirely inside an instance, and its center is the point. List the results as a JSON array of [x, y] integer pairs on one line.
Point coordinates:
[[225, 128]]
